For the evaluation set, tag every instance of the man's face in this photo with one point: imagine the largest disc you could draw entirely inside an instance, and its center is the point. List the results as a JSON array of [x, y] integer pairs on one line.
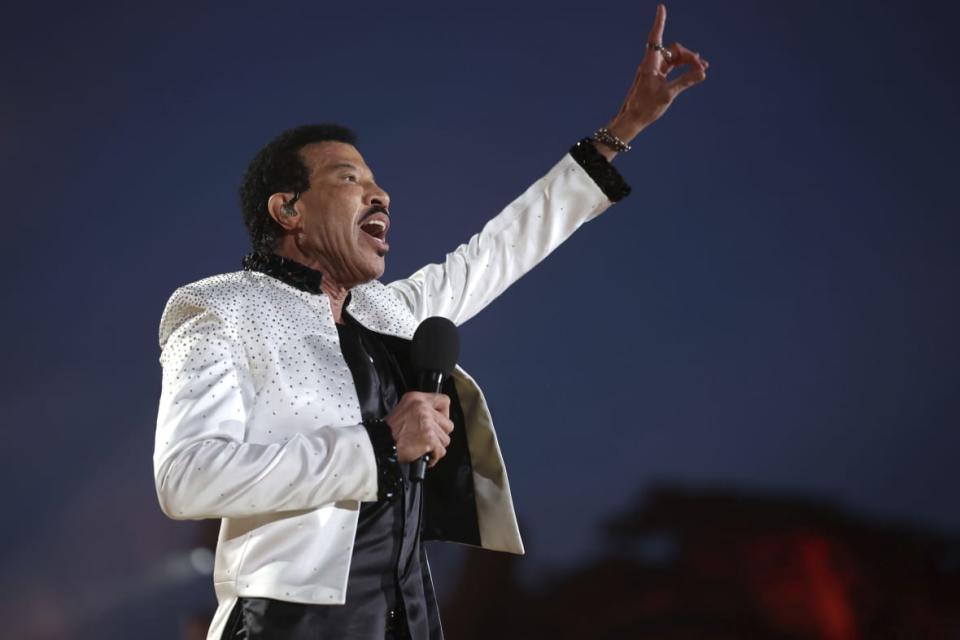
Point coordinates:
[[343, 214]]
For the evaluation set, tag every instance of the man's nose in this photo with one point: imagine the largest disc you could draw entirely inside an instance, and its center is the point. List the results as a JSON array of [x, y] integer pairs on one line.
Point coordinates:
[[378, 196]]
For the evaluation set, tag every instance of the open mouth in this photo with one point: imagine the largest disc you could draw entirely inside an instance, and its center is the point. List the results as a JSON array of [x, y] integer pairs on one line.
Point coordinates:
[[374, 227]]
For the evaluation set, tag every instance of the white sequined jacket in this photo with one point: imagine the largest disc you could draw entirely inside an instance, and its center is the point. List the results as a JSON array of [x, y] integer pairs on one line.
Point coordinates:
[[259, 423]]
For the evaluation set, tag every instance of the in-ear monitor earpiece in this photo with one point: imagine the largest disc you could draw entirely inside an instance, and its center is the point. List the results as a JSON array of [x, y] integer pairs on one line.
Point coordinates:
[[287, 208]]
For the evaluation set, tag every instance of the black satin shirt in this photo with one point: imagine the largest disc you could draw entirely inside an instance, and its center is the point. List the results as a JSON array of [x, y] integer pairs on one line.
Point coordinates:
[[389, 581]]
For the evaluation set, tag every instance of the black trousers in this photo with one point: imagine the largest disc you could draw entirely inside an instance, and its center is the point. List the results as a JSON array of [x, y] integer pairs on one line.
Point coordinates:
[[267, 619]]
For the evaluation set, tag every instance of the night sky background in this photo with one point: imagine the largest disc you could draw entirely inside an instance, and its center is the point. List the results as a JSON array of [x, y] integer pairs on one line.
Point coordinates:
[[775, 307]]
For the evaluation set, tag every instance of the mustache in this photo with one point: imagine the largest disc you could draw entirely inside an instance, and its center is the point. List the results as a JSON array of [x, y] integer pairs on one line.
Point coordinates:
[[375, 209]]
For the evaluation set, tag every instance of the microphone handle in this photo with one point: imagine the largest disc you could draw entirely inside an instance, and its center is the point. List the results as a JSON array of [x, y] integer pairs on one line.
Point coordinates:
[[430, 382]]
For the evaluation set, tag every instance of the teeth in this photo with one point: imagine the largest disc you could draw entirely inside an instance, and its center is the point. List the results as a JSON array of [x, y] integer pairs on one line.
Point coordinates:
[[376, 229]]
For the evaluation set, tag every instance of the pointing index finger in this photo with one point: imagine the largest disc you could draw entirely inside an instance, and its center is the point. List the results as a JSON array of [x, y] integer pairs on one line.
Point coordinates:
[[653, 56], [656, 33]]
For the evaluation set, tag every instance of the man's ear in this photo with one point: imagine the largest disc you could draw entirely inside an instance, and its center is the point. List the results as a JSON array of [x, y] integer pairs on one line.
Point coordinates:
[[285, 215]]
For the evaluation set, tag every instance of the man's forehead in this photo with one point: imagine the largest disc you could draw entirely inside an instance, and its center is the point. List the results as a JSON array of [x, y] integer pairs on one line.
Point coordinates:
[[327, 156]]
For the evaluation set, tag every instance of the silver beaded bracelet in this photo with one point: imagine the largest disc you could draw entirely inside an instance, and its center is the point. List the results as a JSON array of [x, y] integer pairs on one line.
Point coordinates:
[[603, 136]]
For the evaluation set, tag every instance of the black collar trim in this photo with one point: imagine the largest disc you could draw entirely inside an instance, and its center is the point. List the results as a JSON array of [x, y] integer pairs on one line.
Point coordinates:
[[285, 270]]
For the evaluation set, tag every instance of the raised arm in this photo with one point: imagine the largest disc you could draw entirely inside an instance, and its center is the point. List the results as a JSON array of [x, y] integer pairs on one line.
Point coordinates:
[[514, 241], [578, 188]]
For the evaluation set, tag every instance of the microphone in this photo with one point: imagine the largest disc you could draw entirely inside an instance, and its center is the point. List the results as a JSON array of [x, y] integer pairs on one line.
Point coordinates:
[[433, 354]]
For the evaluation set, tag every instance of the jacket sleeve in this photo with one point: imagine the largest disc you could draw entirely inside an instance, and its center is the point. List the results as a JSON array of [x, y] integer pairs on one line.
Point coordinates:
[[510, 244], [203, 466]]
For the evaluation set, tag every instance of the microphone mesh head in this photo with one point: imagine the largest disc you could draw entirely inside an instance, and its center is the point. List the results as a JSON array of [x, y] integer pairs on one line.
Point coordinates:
[[436, 346]]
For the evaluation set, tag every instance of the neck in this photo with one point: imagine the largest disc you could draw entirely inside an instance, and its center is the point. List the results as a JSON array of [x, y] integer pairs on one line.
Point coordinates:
[[336, 291], [337, 295]]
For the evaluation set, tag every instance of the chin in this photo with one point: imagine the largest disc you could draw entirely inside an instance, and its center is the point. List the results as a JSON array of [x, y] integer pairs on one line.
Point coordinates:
[[375, 270]]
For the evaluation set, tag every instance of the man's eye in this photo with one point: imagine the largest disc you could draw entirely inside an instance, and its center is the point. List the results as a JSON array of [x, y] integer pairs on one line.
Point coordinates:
[[351, 177]]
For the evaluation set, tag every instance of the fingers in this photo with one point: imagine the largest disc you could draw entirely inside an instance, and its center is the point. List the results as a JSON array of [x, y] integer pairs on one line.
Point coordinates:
[[439, 438], [441, 402], [679, 56], [444, 423], [439, 442], [437, 410], [421, 424], [413, 446], [653, 58], [682, 56], [695, 75], [443, 427], [656, 33]]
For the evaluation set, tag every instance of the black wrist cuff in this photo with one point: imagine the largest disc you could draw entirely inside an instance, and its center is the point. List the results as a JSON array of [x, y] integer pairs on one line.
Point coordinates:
[[389, 479], [599, 168]]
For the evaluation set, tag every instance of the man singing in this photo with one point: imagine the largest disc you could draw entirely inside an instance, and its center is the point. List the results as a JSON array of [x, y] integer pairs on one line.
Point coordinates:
[[289, 407]]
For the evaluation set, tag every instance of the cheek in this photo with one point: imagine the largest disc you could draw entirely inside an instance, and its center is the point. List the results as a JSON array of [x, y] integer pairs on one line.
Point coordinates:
[[332, 234], [335, 235]]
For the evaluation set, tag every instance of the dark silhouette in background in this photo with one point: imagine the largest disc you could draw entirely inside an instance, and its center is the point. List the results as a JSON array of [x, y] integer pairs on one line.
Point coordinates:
[[711, 564]]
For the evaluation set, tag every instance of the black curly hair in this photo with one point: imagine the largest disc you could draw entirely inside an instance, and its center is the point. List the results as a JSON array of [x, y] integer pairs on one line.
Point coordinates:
[[279, 167]]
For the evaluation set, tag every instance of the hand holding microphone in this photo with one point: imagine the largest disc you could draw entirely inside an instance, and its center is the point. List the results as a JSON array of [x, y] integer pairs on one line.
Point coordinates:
[[421, 423]]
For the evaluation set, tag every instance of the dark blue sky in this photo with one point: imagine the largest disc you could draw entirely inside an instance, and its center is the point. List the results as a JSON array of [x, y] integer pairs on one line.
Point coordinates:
[[775, 306]]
